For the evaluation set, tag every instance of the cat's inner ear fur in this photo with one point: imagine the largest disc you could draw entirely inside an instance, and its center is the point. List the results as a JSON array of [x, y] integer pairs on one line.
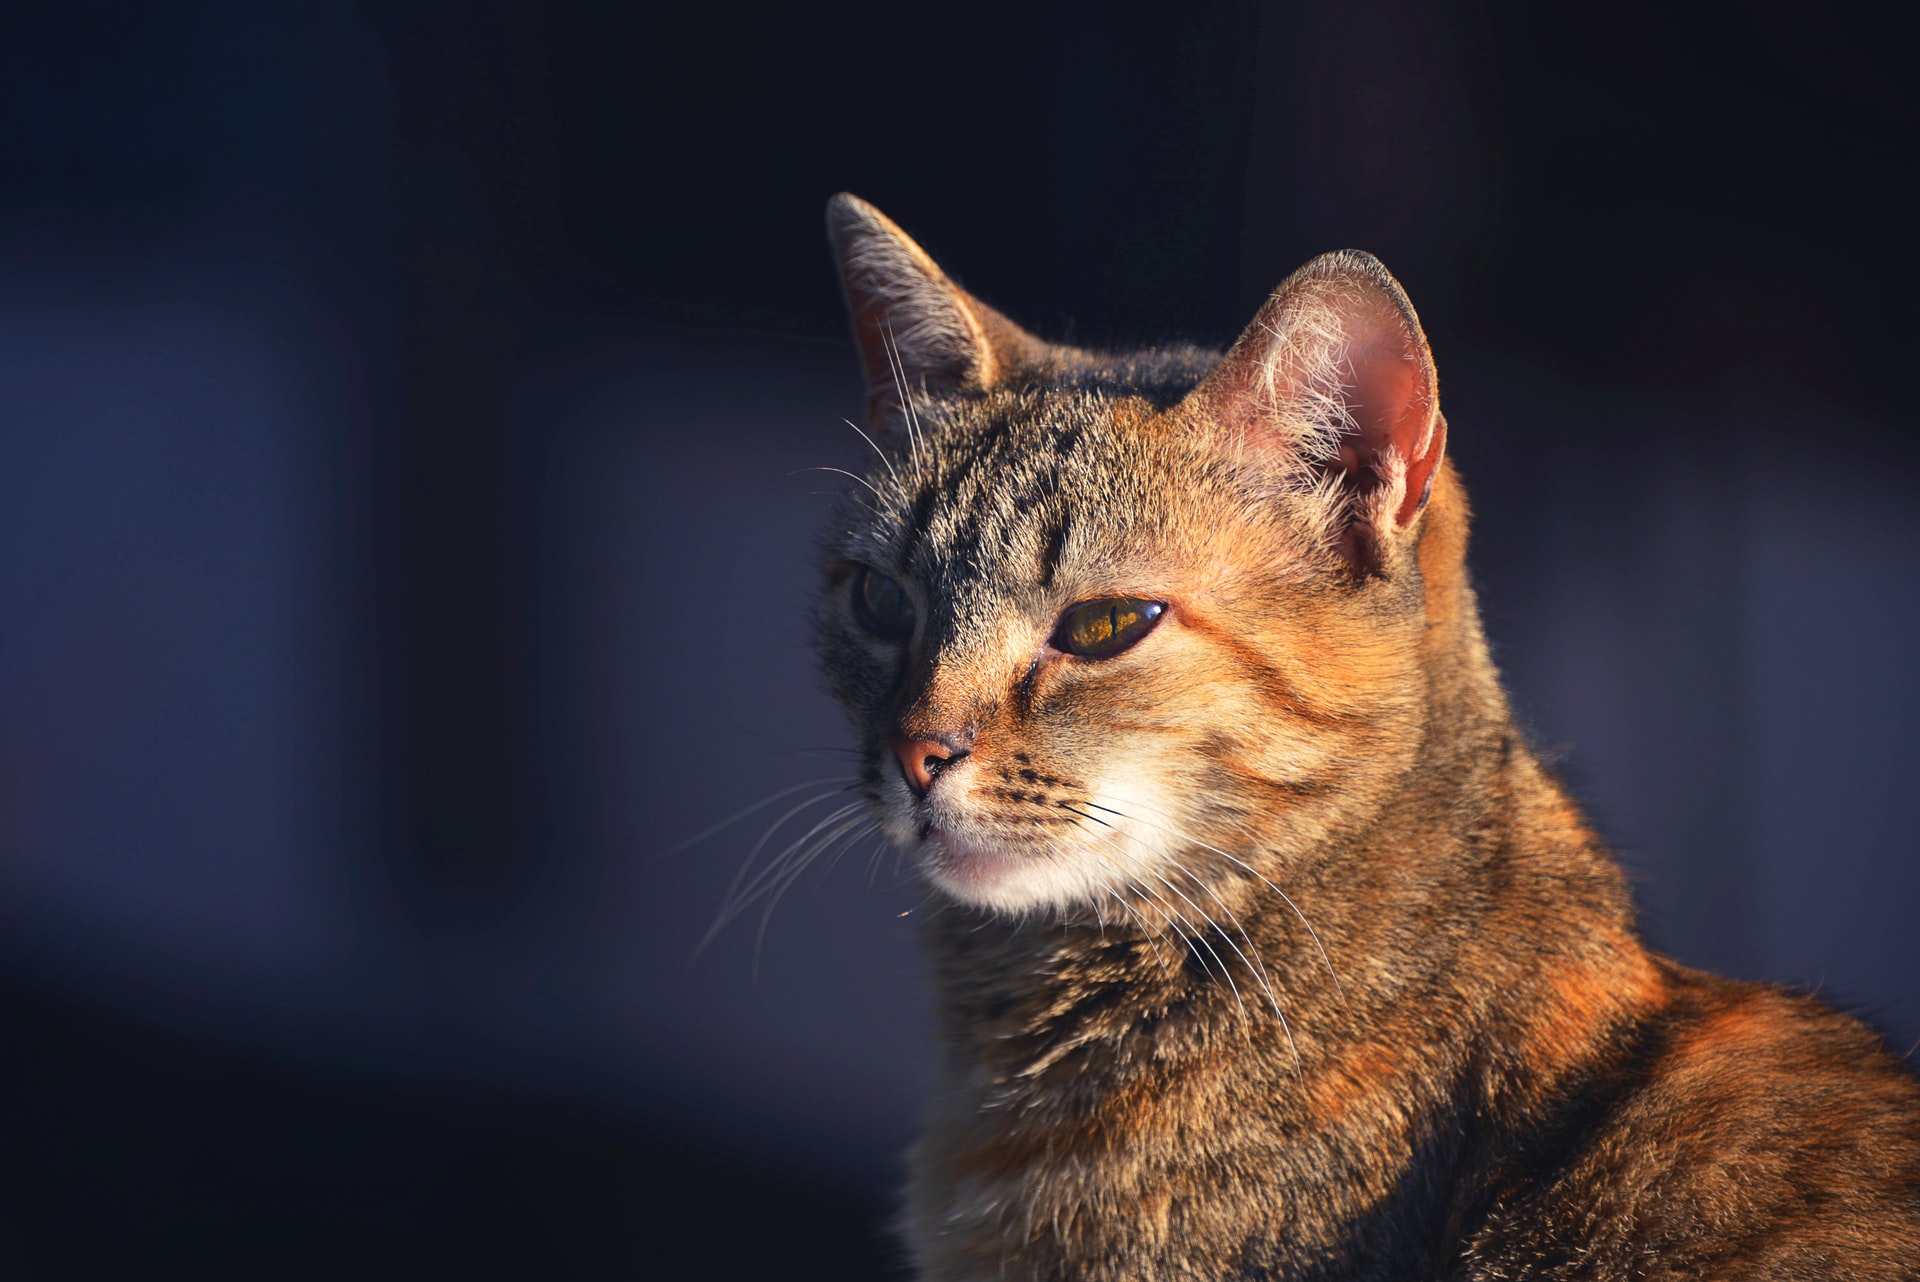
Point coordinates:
[[915, 329], [1334, 382]]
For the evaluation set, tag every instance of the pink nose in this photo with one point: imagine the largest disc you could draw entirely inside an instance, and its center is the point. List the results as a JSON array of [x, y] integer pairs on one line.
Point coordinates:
[[921, 760]]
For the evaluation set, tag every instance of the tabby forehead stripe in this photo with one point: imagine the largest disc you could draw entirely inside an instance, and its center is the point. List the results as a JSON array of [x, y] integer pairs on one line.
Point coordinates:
[[985, 510], [1054, 548]]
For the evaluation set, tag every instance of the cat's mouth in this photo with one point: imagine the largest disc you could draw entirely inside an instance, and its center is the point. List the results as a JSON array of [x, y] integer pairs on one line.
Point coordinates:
[[1011, 872], [1032, 846]]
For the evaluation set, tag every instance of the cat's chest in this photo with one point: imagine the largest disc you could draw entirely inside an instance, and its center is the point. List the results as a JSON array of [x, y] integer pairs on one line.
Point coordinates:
[[1214, 1168]]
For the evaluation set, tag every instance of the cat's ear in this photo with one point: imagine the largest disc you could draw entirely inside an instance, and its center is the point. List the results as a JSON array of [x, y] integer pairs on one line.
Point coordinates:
[[1335, 376], [912, 325]]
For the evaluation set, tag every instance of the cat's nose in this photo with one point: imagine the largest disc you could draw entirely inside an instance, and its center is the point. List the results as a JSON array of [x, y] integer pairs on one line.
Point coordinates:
[[922, 760]]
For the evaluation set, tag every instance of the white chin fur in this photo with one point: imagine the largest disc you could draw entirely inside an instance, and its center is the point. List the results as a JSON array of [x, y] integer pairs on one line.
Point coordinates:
[[1122, 841]]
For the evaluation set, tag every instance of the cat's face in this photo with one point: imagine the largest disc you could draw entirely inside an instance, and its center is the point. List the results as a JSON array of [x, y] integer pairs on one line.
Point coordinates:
[[1091, 642], [971, 616]]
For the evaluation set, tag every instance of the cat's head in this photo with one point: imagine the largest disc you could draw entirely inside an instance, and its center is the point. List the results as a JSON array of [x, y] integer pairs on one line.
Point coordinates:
[[1113, 623]]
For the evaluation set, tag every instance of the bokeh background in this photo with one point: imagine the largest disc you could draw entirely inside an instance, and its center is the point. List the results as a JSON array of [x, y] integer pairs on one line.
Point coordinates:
[[404, 546]]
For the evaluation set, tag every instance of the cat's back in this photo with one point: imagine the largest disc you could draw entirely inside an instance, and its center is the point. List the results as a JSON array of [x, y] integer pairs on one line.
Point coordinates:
[[1749, 1132]]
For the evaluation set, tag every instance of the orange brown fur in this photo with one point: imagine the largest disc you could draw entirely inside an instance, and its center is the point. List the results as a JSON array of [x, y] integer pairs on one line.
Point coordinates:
[[1270, 950]]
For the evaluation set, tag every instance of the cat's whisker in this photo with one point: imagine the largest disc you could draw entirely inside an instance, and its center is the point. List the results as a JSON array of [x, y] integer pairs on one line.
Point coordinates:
[[775, 866], [1145, 926], [1254, 963], [792, 867], [849, 475], [1257, 968], [847, 826], [1225, 971], [1171, 913], [798, 865], [1146, 893], [898, 368], [1131, 883], [1266, 980], [1190, 936], [844, 495], [898, 877], [1249, 868], [739, 896], [734, 886], [804, 752], [864, 828], [1170, 921], [762, 804], [876, 448]]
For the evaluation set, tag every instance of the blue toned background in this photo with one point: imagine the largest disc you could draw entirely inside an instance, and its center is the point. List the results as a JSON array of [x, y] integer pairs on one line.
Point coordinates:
[[405, 544]]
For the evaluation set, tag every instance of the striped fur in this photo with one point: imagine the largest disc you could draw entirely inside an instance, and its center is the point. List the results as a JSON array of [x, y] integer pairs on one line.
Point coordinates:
[[1270, 950]]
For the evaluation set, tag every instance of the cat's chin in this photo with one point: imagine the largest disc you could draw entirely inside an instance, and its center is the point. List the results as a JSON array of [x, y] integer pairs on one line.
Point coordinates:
[[983, 873], [967, 867], [1004, 878]]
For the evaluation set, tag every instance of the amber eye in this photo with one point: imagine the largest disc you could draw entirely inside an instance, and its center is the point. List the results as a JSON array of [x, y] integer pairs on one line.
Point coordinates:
[[882, 606], [1101, 629]]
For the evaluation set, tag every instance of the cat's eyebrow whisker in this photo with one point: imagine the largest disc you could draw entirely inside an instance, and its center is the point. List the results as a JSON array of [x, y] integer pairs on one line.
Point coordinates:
[[849, 475], [1284, 896], [884, 455], [898, 368], [864, 504], [906, 400], [876, 448]]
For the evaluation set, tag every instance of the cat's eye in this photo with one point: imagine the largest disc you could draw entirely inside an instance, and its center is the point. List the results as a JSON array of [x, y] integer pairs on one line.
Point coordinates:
[[1103, 628], [882, 606]]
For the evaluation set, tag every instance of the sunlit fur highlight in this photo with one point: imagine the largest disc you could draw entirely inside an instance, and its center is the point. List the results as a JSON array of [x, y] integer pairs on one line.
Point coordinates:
[[1269, 949]]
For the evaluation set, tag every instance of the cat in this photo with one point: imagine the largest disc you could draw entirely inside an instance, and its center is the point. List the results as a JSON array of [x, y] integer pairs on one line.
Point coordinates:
[[1267, 948]]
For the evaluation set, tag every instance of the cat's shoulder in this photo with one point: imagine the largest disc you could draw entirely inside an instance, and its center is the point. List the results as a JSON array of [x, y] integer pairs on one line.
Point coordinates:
[[1721, 1036], [1762, 1134]]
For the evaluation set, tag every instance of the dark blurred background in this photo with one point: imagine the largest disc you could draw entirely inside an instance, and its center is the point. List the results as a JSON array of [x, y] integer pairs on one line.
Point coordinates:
[[403, 545]]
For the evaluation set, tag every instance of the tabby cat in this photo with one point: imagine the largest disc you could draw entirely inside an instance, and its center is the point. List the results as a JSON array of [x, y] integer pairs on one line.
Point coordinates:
[[1268, 948]]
